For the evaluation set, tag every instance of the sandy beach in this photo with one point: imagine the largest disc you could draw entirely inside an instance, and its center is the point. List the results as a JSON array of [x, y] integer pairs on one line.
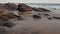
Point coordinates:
[[43, 22]]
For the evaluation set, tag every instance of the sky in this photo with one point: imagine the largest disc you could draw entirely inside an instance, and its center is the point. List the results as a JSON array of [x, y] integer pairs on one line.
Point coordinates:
[[30, 1]]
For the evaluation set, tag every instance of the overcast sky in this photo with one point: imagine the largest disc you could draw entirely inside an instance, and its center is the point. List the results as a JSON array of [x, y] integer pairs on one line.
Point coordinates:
[[31, 1]]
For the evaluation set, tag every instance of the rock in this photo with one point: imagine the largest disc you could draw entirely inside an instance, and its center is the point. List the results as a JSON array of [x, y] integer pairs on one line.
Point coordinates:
[[24, 8], [56, 17], [6, 17], [49, 18], [10, 6], [36, 17], [8, 24], [36, 9], [41, 9], [44, 10], [46, 15]]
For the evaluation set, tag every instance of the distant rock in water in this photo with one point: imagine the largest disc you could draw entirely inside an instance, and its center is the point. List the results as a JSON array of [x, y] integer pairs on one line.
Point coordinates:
[[36, 17], [56, 17], [41, 9], [24, 8], [10, 6]]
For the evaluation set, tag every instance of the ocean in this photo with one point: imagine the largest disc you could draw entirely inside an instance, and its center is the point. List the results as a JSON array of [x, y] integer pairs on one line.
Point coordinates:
[[55, 8]]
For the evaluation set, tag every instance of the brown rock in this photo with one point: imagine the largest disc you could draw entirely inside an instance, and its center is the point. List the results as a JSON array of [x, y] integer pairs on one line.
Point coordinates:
[[49, 18], [36, 17], [10, 6], [24, 8]]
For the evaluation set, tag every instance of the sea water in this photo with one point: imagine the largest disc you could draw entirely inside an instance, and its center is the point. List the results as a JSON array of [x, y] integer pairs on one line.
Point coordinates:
[[55, 8]]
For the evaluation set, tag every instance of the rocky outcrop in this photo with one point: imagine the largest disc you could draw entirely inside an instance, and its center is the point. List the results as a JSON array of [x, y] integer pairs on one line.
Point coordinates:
[[41, 9], [24, 8], [10, 6], [8, 16]]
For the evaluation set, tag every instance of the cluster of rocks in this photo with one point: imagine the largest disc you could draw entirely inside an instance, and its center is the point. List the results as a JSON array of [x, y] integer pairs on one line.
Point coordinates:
[[10, 6]]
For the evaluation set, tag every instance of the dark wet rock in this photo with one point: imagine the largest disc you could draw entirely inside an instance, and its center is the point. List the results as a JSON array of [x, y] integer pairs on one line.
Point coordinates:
[[49, 18], [36, 9], [36, 17], [46, 15], [10, 6], [8, 24], [41, 9], [24, 8], [3, 30], [8, 16], [44, 10], [56, 17]]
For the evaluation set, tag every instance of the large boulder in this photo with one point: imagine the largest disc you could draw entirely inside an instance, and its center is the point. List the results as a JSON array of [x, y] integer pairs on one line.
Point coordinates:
[[10, 6], [24, 8]]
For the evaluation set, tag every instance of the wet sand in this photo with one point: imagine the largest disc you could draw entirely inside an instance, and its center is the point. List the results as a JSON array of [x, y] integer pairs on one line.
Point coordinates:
[[30, 25]]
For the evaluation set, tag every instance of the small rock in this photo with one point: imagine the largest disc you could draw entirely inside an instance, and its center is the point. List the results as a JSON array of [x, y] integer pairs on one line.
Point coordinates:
[[36, 17], [9, 24], [49, 18], [56, 17], [46, 14]]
